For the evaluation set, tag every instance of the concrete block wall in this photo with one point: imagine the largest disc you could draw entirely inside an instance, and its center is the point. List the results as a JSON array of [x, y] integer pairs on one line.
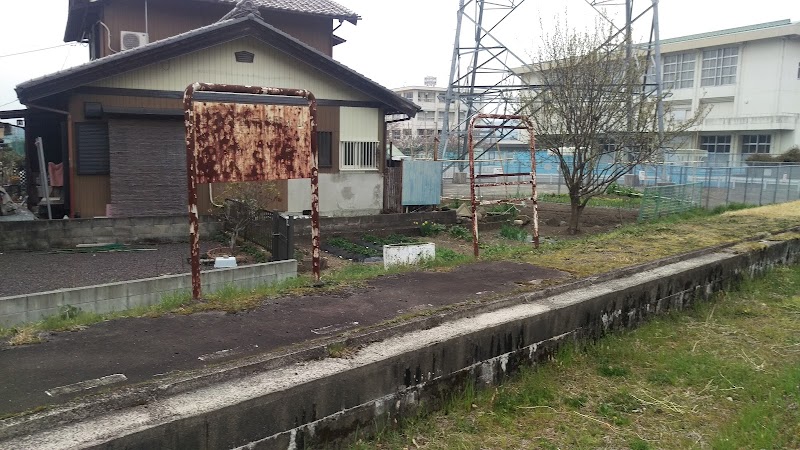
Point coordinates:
[[51, 234], [106, 298], [374, 223]]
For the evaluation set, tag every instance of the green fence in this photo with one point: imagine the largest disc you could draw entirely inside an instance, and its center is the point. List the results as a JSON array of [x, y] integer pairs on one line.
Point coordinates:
[[659, 201]]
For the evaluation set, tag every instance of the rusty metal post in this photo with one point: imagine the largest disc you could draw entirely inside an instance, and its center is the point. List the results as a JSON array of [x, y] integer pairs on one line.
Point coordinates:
[[535, 198], [471, 147], [315, 240], [191, 169]]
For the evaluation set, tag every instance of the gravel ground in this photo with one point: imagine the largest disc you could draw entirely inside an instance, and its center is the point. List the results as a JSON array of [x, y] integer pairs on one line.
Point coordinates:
[[28, 272]]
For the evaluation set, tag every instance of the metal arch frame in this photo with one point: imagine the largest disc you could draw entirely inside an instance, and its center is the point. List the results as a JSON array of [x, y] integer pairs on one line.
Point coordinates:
[[525, 125], [191, 167]]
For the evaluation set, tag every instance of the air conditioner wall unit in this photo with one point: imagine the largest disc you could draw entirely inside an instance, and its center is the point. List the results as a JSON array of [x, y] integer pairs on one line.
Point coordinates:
[[130, 39]]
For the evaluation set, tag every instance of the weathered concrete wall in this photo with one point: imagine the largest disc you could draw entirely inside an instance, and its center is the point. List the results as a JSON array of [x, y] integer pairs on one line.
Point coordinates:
[[322, 403], [106, 298], [340, 194], [50, 234]]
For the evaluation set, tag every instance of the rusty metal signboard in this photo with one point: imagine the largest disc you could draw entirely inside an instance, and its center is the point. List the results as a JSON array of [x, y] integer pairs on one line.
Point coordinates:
[[251, 142], [524, 123], [235, 142]]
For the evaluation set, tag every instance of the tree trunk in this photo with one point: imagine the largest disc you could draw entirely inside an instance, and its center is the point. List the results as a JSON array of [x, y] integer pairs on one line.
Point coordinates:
[[576, 209]]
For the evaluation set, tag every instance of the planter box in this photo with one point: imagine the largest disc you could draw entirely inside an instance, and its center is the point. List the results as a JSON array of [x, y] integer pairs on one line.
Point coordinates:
[[397, 254]]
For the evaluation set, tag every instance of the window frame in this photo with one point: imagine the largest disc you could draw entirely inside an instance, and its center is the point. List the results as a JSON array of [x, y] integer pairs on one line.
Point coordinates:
[[762, 144], [719, 66], [675, 71], [722, 143]]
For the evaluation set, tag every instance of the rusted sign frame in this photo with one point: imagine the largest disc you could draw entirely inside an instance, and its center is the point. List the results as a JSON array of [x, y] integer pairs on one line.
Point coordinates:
[[525, 125], [191, 167]]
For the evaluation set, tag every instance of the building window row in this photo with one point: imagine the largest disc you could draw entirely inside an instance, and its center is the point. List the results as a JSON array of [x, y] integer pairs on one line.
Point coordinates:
[[751, 143], [718, 68]]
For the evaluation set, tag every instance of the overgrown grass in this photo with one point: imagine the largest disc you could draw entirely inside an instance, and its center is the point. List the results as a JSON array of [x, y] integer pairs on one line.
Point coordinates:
[[639, 243], [601, 201], [513, 233], [723, 375]]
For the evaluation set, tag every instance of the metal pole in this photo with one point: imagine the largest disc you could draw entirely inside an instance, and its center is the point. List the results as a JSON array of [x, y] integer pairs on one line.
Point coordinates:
[[43, 176], [448, 97], [746, 182], [628, 57], [708, 186], [761, 191], [471, 149], [728, 188], [777, 181], [535, 197], [191, 174], [659, 76]]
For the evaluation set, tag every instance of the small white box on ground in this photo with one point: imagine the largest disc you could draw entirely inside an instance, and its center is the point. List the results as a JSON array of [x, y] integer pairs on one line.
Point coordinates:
[[222, 262], [396, 254]]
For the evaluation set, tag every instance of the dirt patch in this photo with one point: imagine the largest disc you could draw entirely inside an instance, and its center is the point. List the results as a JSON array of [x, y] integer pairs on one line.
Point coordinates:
[[27, 272]]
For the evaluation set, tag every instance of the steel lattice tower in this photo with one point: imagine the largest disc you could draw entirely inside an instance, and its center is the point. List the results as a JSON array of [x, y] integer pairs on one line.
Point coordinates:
[[483, 75]]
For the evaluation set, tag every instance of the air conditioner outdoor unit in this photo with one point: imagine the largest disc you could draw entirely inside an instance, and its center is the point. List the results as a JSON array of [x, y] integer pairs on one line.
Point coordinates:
[[131, 39]]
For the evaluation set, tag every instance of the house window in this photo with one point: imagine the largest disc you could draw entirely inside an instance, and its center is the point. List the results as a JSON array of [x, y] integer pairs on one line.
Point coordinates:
[[679, 71], [756, 143], [359, 155], [719, 66], [408, 95], [395, 134], [716, 144], [92, 148], [325, 148], [425, 96]]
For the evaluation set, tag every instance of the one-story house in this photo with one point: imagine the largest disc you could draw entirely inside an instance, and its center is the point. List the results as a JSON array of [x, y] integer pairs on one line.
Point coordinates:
[[116, 122]]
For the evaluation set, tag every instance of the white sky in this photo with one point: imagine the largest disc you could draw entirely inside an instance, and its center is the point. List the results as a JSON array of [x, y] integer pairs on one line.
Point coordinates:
[[394, 46]]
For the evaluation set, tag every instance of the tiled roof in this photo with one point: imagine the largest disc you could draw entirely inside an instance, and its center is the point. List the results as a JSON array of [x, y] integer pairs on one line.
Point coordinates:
[[315, 7], [202, 38]]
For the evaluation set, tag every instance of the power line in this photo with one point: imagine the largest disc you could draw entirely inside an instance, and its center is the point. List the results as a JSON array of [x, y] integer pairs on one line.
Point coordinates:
[[37, 50], [12, 101]]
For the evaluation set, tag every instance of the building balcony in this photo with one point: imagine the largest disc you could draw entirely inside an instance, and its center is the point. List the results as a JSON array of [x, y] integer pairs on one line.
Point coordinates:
[[750, 123]]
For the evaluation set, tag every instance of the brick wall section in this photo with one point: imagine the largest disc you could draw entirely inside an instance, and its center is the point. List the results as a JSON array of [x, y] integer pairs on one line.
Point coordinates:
[[52, 234], [148, 167]]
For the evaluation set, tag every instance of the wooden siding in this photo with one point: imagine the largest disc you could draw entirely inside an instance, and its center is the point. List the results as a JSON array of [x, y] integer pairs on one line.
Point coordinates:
[[171, 17], [271, 68], [328, 120]]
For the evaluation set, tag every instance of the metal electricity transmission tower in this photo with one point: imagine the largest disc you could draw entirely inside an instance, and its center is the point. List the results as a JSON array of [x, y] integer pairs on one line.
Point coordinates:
[[482, 75], [485, 75]]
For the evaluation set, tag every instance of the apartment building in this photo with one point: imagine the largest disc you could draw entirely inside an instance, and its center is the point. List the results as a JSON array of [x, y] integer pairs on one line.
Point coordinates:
[[421, 129]]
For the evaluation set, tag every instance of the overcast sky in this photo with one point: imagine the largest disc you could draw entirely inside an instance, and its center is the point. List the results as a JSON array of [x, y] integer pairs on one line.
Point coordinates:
[[394, 46]]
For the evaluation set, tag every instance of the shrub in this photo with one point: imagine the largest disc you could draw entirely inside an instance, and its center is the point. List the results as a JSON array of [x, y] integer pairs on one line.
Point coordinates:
[[430, 228], [513, 233], [460, 232]]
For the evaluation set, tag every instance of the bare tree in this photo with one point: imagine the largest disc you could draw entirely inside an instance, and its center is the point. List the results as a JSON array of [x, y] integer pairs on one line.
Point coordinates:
[[596, 112]]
